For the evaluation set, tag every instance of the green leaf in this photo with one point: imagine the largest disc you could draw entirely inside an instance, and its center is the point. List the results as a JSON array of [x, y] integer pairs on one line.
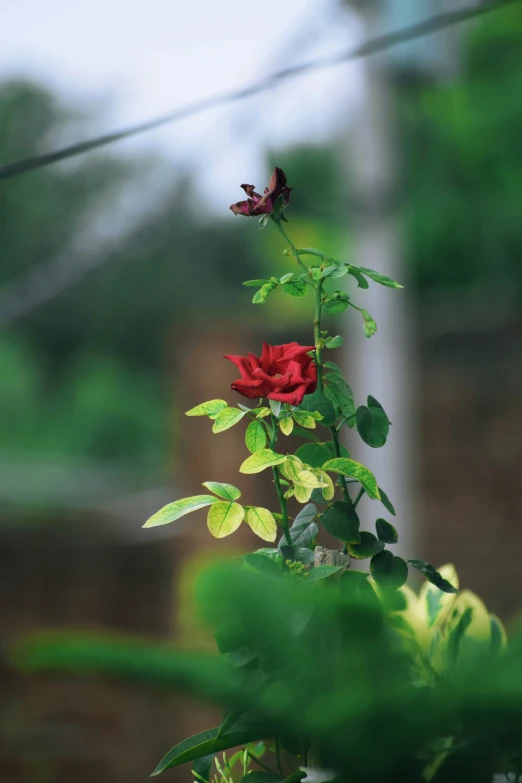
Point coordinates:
[[336, 303], [286, 278], [356, 273], [315, 454], [206, 742], [263, 564], [263, 777], [342, 522], [227, 418], [255, 436], [321, 572], [318, 402], [433, 576], [275, 407], [224, 518], [264, 458], [342, 395], [304, 530], [382, 279], [304, 419], [353, 469], [368, 546], [202, 766], [264, 292], [256, 283], [295, 288], [385, 500], [369, 325], [178, 509], [334, 342], [335, 270], [286, 425], [386, 532], [226, 491], [261, 521], [372, 424], [229, 719], [389, 571], [210, 408], [333, 368]]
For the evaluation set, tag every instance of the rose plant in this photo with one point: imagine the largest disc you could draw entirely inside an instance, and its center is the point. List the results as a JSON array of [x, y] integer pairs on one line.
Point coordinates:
[[299, 391]]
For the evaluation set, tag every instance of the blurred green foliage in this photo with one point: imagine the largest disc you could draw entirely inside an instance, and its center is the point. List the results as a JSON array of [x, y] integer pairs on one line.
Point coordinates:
[[324, 668], [462, 155]]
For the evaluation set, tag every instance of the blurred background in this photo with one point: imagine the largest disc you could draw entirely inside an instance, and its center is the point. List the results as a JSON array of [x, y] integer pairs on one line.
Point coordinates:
[[120, 290]]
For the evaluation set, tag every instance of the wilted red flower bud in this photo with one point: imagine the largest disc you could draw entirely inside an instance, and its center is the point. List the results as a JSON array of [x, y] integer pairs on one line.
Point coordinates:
[[282, 372], [263, 205]]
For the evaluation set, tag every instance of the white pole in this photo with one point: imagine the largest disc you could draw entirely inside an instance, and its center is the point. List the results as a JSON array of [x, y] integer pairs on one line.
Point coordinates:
[[382, 365]]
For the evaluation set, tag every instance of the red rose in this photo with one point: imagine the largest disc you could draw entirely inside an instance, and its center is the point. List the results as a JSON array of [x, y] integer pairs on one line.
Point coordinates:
[[282, 372], [263, 205]]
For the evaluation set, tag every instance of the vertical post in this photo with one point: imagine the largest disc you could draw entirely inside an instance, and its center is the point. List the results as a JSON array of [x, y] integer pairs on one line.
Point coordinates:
[[382, 365]]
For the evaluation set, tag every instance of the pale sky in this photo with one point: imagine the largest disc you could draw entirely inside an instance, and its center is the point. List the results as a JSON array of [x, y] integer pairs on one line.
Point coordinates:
[[130, 60]]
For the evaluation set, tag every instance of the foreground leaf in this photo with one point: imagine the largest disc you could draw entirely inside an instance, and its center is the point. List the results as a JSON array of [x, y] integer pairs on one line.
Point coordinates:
[[207, 742], [372, 423], [353, 469], [178, 509], [264, 458], [224, 518], [322, 572]]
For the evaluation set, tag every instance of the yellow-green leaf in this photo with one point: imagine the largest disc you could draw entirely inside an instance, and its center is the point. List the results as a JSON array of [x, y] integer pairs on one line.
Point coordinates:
[[225, 491], [210, 408], [286, 425], [302, 494], [224, 518], [178, 509], [262, 522], [264, 458], [227, 418], [292, 467], [255, 436], [304, 419], [305, 478], [328, 488], [353, 469]]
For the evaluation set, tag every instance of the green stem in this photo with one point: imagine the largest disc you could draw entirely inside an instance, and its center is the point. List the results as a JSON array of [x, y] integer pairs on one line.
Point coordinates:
[[359, 496], [279, 488], [317, 333], [258, 761], [278, 757], [293, 247], [318, 288]]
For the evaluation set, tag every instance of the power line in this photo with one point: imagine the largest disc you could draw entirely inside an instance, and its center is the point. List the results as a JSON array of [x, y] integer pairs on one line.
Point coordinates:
[[370, 47]]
